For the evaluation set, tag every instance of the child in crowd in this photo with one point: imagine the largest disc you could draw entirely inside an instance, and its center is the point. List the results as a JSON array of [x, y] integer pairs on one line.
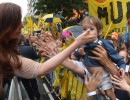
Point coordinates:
[[94, 26]]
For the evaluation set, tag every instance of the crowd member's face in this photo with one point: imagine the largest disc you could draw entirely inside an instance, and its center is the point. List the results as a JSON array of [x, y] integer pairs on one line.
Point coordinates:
[[124, 55], [17, 32], [89, 25]]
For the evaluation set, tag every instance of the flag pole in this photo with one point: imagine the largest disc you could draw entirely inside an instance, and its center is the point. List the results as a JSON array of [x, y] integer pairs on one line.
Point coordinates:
[[108, 30]]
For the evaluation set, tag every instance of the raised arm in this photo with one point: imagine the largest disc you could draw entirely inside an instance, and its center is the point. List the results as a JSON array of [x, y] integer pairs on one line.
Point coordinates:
[[69, 64], [51, 64], [101, 56]]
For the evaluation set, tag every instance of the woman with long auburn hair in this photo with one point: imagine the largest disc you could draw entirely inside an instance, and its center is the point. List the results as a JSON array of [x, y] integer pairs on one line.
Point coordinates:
[[10, 23], [11, 63]]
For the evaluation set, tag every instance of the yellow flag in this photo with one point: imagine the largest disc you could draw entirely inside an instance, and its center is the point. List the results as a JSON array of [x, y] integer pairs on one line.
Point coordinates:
[[76, 89], [112, 13], [35, 26], [25, 30], [39, 20]]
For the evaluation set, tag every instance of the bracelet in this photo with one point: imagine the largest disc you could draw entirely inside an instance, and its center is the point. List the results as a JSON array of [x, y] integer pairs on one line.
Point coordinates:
[[91, 93]]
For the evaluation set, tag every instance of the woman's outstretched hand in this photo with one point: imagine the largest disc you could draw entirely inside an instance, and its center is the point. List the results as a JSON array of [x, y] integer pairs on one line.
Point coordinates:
[[85, 38]]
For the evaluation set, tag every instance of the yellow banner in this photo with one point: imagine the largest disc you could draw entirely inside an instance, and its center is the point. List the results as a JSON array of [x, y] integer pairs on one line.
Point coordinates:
[[113, 14]]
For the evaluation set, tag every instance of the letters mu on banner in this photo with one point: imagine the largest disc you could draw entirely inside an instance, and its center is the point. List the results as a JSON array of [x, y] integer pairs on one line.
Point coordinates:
[[113, 13]]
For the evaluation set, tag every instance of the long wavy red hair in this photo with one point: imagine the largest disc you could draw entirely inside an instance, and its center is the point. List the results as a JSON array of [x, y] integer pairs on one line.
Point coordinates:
[[10, 19]]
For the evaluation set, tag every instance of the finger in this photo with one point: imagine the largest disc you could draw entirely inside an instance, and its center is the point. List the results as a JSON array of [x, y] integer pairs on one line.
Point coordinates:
[[94, 58], [87, 31], [99, 75], [116, 83], [100, 51], [47, 55], [100, 47], [47, 49], [118, 78], [92, 36], [118, 88], [99, 79], [43, 54], [114, 79], [110, 75], [94, 74], [98, 82], [96, 53], [87, 35], [91, 39], [97, 50]]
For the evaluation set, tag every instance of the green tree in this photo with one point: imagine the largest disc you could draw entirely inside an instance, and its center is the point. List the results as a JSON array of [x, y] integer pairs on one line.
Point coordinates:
[[64, 6]]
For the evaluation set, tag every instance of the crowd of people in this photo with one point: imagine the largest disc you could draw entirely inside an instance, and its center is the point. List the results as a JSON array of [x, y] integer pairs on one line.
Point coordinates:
[[102, 65]]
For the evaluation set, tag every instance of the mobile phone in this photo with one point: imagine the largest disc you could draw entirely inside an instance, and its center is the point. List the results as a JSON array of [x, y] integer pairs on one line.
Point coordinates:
[[65, 33]]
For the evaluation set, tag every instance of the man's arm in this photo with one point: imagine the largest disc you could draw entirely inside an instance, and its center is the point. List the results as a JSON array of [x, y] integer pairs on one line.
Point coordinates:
[[101, 56]]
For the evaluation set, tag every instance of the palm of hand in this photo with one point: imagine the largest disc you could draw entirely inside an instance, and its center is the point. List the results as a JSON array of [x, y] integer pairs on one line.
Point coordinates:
[[123, 84]]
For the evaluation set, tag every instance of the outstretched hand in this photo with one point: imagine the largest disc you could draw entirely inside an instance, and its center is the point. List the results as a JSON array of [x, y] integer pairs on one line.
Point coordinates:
[[94, 82], [85, 38], [120, 83], [49, 52]]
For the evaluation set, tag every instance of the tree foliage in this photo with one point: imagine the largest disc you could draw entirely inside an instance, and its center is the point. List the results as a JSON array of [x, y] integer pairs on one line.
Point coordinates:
[[64, 6]]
